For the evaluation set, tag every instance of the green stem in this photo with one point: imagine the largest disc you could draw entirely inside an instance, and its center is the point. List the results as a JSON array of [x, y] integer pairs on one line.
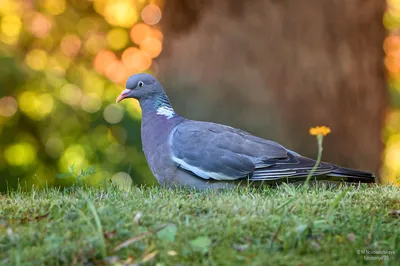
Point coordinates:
[[320, 137], [99, 227]]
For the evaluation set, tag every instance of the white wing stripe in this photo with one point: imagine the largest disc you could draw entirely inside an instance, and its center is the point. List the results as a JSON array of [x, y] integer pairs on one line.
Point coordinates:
[[200, 172]]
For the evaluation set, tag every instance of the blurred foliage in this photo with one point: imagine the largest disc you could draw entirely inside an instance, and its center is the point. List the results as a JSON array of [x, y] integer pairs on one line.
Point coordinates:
[[391, 133], [62, 65]]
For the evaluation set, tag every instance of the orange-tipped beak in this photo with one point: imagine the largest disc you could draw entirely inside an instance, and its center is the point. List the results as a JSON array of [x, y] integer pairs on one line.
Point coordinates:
[[123, 95]]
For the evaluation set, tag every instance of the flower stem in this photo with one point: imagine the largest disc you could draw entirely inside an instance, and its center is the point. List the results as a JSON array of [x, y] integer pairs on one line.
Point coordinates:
[[320, 137]]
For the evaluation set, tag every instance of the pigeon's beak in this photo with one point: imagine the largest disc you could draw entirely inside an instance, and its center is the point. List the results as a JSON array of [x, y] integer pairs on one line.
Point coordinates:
[[123, 95]]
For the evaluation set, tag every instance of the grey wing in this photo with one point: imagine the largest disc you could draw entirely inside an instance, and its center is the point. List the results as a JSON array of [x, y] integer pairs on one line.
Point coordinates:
[[213, 151], [292, 167]]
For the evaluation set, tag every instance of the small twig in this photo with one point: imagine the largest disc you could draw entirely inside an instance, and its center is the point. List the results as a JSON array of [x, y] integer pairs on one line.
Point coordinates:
[[137, 238], [131, 241]]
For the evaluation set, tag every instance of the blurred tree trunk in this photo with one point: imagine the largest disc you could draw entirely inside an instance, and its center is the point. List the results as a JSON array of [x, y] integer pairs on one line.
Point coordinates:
[[277, 67]]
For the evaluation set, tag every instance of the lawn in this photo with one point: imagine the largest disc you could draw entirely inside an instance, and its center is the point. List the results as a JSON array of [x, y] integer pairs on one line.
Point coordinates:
[[345, 225]]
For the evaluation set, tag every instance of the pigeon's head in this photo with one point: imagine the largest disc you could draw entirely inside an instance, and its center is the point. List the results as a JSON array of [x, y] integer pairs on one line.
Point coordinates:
[[141, 86]]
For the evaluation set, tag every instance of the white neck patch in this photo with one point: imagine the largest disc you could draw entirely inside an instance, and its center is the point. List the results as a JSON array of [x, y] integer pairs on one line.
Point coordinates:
[[166, 111]]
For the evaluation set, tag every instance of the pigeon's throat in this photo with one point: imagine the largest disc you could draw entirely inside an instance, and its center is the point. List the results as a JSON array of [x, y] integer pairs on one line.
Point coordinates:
[[161, 100]]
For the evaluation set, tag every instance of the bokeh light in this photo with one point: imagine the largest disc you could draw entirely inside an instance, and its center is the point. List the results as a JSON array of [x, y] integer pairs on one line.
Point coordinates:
[[91, 103], [121, 13], [54, 7], [20, 154], [136, 60], [54, 147], [36, 59], [151, 14], [11, 7], [140, 32], [151, 46], [73, 155], [70, 45], [95, 43], [8, 106], [117, 38], [71, 94], [69, 109], [113, 114], [65, 62], [156, 33], [103, 60], [122, 180], [115, 153], [391, 46], [36, 105], [117, 72], [40, 26], [11, 25]]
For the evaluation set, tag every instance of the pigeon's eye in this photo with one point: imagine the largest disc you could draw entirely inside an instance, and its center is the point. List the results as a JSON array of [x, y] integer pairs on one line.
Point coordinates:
[[140, 84]]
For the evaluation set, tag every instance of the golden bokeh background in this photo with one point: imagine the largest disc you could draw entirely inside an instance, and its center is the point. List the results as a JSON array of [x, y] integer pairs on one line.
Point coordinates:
[[391, 132], [73, 58], [62, 65]]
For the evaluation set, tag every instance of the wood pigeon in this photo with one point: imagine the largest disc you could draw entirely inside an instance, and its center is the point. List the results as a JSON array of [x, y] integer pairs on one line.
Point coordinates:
[[188, 153]]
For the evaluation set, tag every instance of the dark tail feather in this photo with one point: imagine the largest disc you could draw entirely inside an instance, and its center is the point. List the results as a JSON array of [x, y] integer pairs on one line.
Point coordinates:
[[351, 175]]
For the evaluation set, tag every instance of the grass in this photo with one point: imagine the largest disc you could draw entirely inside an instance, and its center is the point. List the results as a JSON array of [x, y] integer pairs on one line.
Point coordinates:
[[287, 225]]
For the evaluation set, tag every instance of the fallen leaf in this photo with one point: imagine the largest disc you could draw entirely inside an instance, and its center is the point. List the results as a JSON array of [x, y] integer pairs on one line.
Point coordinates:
[[168, 233], [137, 218], [74, 261], [301, 228], [315, 245], [110, 234], [10, 234], [368, 240], [128, 261], [41, 217], [36, 218], [172, 253], [339, 238], [241, 247], [351, 237], [201, 244], [150, 256], [112, 260], [131, 241]]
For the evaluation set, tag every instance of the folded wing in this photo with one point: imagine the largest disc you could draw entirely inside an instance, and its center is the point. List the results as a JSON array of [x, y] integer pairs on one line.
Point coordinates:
[[213, 151]]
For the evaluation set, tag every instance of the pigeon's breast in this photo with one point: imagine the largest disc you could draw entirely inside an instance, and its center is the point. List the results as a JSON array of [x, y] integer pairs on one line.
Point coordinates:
[[156, 131]]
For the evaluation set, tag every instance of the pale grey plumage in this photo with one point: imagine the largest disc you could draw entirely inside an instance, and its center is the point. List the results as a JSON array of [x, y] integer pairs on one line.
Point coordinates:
[[207, 155]]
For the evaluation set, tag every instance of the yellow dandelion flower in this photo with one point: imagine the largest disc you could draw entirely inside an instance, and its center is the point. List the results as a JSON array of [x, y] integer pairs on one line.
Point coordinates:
[[320, 130]]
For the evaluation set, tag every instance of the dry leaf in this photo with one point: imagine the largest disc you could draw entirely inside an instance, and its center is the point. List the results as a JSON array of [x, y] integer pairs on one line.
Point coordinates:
[[351, 237], [241, 247], [110, 234], [137, 218], [112, 260], [167, 233], [129, 260], [150, 256], [36, 218], [172, 253]]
